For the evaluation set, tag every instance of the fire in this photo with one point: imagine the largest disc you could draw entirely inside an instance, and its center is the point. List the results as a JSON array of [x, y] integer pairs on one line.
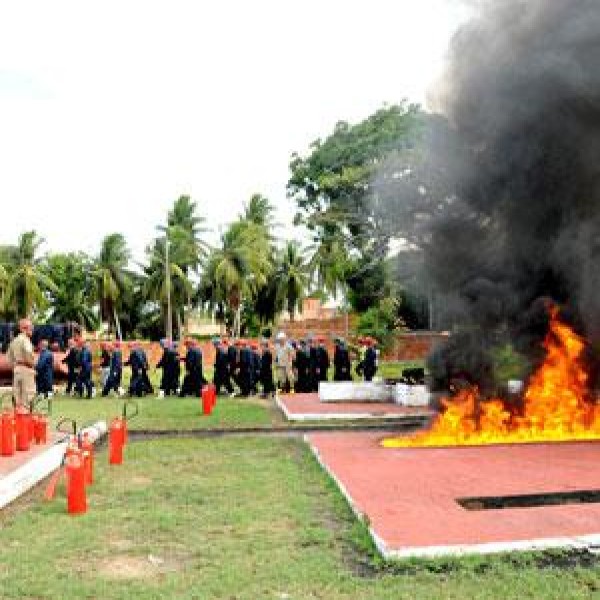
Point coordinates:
[[556, 407]]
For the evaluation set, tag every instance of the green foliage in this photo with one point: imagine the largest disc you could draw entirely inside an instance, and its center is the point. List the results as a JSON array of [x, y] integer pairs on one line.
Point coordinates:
[[240, 267], [380, 321], [25, 281], [72, 297], [112, 278], [508, 363]]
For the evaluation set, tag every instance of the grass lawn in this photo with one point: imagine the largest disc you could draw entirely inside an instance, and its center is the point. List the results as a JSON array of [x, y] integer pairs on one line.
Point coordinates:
[[244, 518], [170, 413]]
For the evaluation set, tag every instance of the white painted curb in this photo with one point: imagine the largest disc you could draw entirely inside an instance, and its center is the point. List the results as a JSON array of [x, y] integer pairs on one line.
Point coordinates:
[[26, 476]]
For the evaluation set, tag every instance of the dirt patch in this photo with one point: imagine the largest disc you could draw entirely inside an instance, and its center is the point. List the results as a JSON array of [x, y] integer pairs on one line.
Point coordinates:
[[140, 481], [137, 567]]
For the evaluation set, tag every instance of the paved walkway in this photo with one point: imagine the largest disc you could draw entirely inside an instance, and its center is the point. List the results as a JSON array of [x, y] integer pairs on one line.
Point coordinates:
[[409, 495]]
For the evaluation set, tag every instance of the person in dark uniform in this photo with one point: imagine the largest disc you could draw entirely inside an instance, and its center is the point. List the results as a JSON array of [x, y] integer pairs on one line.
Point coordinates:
[[174, 368], [313, 366], [145, 365], [113, 383], [104, 363], [194, 378], [245, 368], [301, 366], [163, 364], [256, 365], [266, 370], [44, 371], [370, 362], [221, 370], [232, 359], [84, 379], [341, 362], [322, 360], [136, 383], [72, 362]]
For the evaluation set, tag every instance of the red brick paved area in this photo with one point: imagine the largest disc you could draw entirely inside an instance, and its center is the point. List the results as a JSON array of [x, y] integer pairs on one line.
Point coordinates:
[[10, 463], [409, 495], [308, 406]]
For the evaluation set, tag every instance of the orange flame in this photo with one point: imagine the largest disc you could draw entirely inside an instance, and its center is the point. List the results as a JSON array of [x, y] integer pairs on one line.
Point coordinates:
[[557, 405]]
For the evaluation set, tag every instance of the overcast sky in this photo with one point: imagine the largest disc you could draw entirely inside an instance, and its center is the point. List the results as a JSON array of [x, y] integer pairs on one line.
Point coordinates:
[[111, 110]]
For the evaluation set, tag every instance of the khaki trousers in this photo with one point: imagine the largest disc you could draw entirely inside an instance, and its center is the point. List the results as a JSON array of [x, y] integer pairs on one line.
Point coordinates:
[[23, 385]]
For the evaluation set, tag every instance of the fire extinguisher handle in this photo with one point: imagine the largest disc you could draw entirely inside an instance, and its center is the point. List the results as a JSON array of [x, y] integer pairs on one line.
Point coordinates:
[[128, 415]]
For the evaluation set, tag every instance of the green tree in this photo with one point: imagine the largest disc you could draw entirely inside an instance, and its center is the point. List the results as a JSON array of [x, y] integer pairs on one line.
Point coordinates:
[[185, 234], [238, 268], [26, 281], [154, 283], [73, 297], [259, 211], [112, 278], [292, 277]]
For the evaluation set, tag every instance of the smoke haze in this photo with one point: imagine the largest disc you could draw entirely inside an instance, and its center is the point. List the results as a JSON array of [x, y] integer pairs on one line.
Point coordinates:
[[518, 221]]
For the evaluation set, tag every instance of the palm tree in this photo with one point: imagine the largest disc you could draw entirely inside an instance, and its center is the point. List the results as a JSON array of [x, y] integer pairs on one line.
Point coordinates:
[[155, 286], [27, 283], [259, 211], [185, 233], [112, 278], [239, 267], [328, 263], [73, 299], [292, 277]]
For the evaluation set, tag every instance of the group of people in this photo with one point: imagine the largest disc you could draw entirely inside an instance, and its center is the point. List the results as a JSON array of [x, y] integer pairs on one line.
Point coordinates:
[[242, 367], [302, 364]]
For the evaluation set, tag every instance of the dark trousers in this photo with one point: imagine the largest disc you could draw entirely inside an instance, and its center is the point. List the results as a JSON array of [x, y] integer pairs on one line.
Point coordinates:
[[222, 379], [112, 383], [84, 383], [71, 380]]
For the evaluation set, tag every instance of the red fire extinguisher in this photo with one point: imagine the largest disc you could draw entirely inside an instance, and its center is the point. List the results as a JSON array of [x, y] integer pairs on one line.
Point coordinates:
[[7, 432], [76, 497], [116, 441], [206, 400], [87, 449], [40, 431], [22, 421]]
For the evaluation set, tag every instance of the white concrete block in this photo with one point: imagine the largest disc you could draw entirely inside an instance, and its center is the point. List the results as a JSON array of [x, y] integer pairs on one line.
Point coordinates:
[[411, 395], [354, 391]]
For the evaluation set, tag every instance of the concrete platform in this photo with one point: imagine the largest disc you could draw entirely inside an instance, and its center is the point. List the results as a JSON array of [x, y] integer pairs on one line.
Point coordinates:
[[307, 407], [20, 472], [409, 495]]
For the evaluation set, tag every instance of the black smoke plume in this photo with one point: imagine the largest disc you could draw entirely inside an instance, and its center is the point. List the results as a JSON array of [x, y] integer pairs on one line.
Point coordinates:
[[517, 221]]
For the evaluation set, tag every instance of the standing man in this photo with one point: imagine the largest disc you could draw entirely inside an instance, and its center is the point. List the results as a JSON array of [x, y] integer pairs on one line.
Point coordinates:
[[221, 373], [246, 368], [45, 371], [370, 362], [84, 381], [323, 361], [313, 365], [135, 362], [113, 383], [341, 362], [283, 364], [72, 362], [20, 355], [301, 365], [266, 370], [104, 363], [163, 364]]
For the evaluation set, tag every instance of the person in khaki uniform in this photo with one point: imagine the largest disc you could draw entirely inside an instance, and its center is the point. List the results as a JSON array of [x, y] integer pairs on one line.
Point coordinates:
[[20, 355]]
